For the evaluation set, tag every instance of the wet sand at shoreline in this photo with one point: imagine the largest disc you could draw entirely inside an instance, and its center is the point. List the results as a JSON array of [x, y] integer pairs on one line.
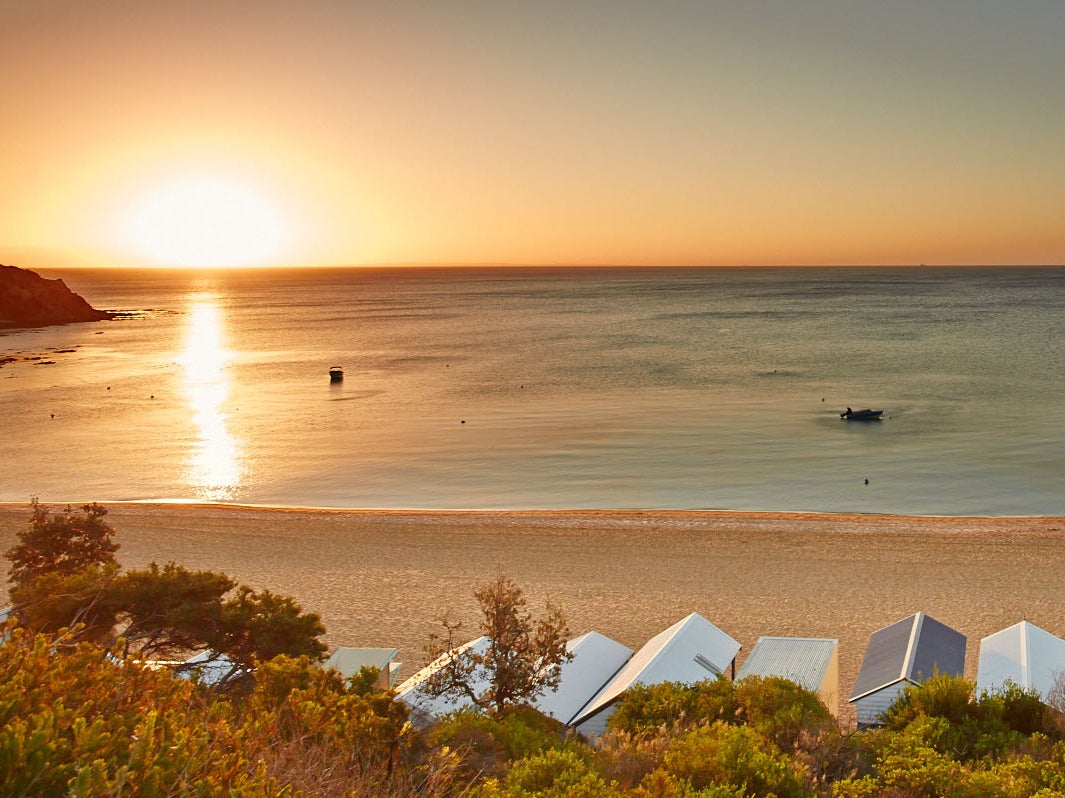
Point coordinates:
[[384, 578]]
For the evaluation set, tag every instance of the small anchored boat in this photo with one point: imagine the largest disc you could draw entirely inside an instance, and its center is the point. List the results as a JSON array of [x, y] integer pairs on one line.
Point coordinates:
[[861, 415], [336, 374]]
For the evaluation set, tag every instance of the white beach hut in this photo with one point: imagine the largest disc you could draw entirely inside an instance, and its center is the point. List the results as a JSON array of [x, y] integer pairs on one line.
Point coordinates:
[[810, 662], [5, 615], [907, 652], [210, 668], [349, 661], [596, 658], [425, 708], [689, 651], [1030, 657]]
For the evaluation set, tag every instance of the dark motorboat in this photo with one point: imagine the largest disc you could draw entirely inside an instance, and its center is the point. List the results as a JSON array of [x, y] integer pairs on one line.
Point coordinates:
[[861, 415], [336, 374]]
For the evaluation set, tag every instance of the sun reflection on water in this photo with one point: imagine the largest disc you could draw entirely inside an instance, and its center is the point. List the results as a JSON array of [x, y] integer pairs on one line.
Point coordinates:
[[214, 471]]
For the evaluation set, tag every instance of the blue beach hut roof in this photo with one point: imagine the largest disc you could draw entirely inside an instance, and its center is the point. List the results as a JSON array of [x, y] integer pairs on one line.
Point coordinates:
[[913, 650]]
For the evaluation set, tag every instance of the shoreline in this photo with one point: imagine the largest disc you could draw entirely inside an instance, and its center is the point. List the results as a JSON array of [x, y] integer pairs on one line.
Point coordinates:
[[385, 578], [196, 504]]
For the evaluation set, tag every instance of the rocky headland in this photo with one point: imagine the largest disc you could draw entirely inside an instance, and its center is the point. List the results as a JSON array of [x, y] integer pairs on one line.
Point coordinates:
[[29, 300]]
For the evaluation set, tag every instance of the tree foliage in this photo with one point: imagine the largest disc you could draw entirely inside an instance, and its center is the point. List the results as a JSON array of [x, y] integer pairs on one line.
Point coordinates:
[[164, 612], [56, 601], [522, 659], [260, 625], [66, 578], [61, 543]]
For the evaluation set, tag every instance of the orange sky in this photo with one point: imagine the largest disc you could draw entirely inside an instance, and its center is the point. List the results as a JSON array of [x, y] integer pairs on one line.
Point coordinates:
[[141, 132]]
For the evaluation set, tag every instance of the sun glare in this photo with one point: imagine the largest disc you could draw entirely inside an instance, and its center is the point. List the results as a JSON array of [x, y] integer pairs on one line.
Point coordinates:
[[207, 222], [215, 468]]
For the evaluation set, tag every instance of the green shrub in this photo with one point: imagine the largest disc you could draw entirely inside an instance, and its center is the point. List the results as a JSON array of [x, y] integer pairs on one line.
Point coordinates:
[[1024, 711], [554, 773], [76, 722], [661, 784], [629, 758], [736, 757], [489, 743], [991, 724], [647, 709], [789, 715]]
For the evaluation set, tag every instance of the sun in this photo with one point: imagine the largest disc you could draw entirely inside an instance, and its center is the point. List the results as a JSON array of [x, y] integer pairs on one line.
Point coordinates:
[[206, 222]]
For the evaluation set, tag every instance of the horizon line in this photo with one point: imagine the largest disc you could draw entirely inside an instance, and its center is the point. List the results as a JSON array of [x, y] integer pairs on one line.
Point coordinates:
[[557, 265]]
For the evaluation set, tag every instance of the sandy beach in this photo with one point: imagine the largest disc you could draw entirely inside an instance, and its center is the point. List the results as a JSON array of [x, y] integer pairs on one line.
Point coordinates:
[[385, 578]]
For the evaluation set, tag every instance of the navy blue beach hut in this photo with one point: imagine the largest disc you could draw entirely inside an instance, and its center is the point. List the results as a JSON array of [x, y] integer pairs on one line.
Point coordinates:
[[908, 652]]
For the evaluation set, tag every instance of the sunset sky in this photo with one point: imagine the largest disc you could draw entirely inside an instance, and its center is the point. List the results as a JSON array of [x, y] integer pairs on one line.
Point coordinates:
[[321, 132]]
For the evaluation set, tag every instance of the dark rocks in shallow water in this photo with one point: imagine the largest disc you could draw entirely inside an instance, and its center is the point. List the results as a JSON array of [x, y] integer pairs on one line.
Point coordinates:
[[29, 300]]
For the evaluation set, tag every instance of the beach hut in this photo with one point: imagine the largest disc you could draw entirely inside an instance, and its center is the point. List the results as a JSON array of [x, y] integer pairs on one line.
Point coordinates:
[[349, 661], [6, 614], [810, 662], [210, 667], [1024, 654], [425, 708], [907, 652], [596, 658], [689, 651]]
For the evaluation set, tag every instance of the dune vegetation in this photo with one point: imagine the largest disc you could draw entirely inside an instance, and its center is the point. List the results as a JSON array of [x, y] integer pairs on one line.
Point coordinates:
[[84, 712]]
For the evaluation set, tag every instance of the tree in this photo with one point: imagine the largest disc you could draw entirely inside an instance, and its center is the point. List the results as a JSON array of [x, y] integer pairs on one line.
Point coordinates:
[[261, 625], [522, 658], [66, 577], [63, 543], [79, 601], [168, 611]]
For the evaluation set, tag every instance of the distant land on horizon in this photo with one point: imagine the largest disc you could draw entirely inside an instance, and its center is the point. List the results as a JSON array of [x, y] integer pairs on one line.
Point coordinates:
[[29, 300]]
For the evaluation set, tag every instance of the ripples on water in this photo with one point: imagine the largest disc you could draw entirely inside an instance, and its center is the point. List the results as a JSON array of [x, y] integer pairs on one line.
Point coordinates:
[[551, 389]]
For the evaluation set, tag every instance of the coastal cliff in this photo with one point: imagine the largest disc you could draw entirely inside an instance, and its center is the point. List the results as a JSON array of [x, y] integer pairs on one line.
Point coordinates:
[[29, 300]]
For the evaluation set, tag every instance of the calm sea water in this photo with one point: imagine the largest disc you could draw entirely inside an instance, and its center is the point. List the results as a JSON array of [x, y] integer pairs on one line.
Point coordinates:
[[604, 388]]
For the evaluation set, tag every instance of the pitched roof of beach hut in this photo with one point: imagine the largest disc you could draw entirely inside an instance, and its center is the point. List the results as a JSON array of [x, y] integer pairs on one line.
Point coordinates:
[[1030, 657], [596, 658], [426, 706], [349, 661], [803, 660], [210, 666], [912, 649], [689, 651], [810, 662]]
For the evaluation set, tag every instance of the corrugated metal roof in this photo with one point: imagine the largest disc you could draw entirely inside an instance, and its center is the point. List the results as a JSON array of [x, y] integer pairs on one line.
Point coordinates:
[[803, 660], [1024, 654], [689, 651], [912, 649], [349, 661]]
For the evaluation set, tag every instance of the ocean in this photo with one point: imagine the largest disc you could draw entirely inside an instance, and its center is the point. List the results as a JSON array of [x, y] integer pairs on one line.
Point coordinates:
[[492, 388]]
